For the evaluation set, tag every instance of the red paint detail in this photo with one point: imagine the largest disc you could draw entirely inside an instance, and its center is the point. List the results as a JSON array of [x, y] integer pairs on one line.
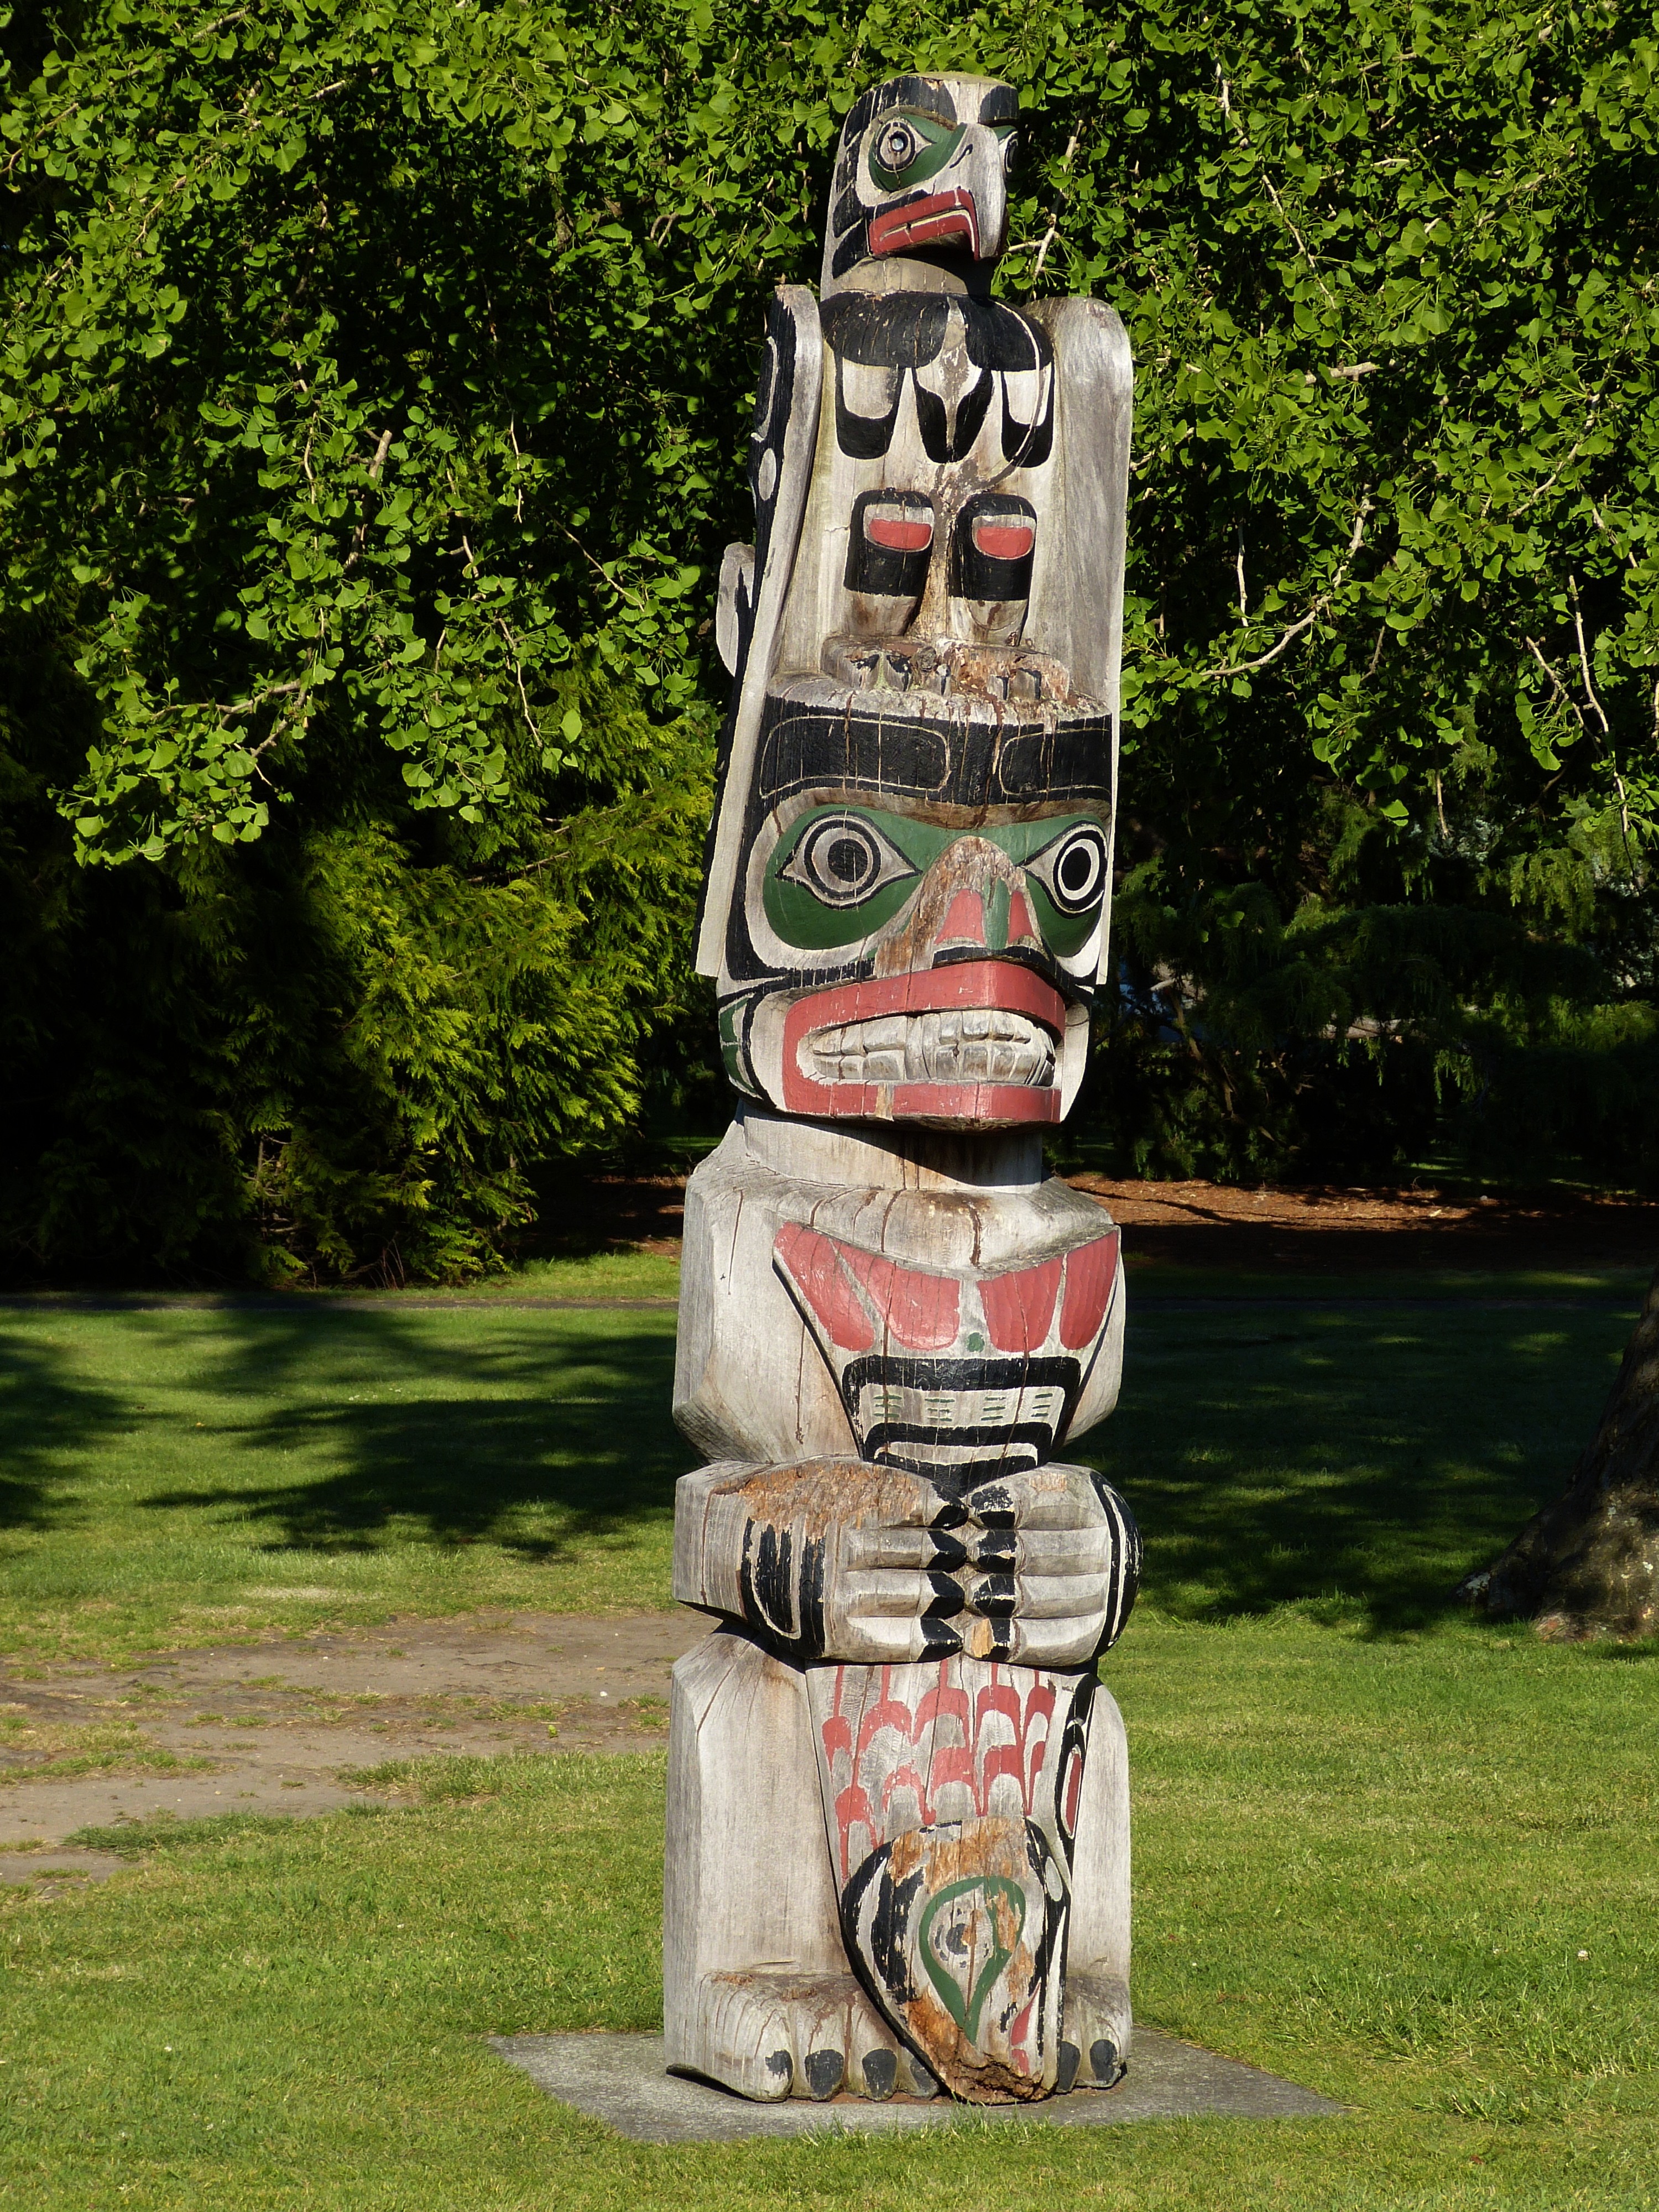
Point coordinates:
[[1004, 541], [964, 919], [1090, 1273], [920, 1310], [1019, 2034], [1019, 1307], [939, 219], [1073, 1791], [811, 1264], [950, 1736], [898, 537], [999, 983], [1021, 928]]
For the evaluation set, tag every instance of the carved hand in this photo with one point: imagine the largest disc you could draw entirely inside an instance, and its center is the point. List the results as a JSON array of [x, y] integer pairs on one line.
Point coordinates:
[[841, 1558]]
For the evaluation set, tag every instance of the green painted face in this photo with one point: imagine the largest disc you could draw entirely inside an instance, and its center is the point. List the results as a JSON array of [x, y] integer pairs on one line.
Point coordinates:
[[908, 148], [841, 873]]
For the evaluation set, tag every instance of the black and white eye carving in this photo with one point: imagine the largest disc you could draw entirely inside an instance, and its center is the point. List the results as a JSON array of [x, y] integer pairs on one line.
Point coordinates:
[[843, 859], [1073, 870], [1011, 154], [897, 147]]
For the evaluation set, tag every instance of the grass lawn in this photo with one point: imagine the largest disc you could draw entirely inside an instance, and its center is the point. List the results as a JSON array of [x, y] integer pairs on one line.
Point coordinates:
[[1372, 1839]]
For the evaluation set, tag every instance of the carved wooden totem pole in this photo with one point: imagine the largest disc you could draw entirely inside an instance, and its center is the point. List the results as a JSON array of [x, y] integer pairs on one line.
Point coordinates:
[[898, 1808]]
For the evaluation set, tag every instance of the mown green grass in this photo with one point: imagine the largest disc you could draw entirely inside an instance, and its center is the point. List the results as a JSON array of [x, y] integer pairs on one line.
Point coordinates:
[[1372, 1839], [197, 1474], [1371, 1866]]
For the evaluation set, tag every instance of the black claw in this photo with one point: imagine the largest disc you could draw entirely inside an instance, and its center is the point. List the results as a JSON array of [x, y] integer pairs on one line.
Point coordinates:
[[880, 2072], [782, 2064], [1066, 2074], [947, 1600], [825, 2072], [1103, 2057]]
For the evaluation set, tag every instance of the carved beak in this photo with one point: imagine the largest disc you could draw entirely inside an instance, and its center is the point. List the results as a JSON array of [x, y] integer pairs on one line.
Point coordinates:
[[967, 214]]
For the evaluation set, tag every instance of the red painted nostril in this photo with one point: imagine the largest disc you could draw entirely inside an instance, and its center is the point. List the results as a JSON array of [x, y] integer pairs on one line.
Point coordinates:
[[965, 918], [1020, 924]]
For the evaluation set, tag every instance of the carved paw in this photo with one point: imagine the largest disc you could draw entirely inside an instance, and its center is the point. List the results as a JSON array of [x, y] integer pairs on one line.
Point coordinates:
[[773, 2035], [1094, 2037]]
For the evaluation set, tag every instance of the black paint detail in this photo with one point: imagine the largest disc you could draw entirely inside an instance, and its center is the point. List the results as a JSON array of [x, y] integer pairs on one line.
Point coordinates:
[[953, 763], [1124, 1584], [880, 2071], [825, 2071], [1069, 2058], [947, 439], [782, 1589], [976, 575], [996, 1598], [999, 105], [1074, 1738], [878, 568], [1103, 2057], [773, 405], [888, 1923], [1071, 760], [998, 1559], [865, 437], [780, 2063], [907, 330], [947, 1600], [1027, 445], [939, 1641], [948, 1551]]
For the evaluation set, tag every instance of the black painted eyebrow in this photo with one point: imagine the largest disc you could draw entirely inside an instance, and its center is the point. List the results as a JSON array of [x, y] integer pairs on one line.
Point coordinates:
[[928, 98]]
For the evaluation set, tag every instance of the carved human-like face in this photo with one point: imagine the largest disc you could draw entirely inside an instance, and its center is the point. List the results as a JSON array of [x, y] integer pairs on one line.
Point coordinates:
[[922, 169], [923, 911]]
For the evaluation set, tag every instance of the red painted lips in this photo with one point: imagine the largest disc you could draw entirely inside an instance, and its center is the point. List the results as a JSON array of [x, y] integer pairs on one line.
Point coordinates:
[[941, 219], [998, 985]]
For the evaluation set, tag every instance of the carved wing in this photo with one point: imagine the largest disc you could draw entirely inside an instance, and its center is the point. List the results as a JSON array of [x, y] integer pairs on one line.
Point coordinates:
[[781, 449], [1079, 584]]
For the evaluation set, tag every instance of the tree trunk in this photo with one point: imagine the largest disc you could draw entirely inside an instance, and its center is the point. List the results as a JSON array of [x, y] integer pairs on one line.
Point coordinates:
[[1588, 1565]]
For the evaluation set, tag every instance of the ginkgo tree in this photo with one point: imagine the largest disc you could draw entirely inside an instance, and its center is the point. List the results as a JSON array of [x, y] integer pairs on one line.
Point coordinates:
[[375, 377]]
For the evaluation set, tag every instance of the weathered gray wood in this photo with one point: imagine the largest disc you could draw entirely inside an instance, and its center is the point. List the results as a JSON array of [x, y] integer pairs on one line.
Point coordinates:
[[758, 1992], [898, 1825]]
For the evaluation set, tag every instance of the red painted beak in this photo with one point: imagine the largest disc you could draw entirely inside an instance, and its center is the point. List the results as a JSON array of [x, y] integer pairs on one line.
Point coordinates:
[[942, 219]]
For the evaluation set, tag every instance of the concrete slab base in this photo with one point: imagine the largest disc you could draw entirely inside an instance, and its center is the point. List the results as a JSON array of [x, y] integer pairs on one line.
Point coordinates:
[[623, 2080]]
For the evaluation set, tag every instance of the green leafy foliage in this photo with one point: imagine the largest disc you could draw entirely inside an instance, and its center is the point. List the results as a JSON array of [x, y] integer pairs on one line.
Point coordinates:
[[374, 379]]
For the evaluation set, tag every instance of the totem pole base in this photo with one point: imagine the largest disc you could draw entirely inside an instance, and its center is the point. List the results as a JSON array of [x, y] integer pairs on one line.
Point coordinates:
[[623, 2080]]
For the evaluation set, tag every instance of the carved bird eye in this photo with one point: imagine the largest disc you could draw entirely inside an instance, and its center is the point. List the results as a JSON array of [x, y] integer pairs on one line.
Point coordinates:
[[1011, 154], [842, 859], [1073, 870], [897, 147]]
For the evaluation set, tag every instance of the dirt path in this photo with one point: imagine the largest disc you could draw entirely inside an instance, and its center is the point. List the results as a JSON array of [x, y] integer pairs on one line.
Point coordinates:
[[268, 1727]]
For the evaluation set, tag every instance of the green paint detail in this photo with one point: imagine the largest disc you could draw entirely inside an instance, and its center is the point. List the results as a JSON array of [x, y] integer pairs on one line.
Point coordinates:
[[996, 919], [976, 1342], [1064, 933], [800, 917], [965, 2007], [733, 1054], [939, 143]]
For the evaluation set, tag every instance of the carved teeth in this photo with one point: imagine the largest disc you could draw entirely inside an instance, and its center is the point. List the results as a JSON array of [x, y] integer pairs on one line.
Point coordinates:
[[972, 1044]]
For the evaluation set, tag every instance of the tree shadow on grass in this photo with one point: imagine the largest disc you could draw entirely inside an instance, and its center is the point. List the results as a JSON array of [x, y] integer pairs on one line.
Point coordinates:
[[1344, 1461], [537, 1435], [49, 1415]]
